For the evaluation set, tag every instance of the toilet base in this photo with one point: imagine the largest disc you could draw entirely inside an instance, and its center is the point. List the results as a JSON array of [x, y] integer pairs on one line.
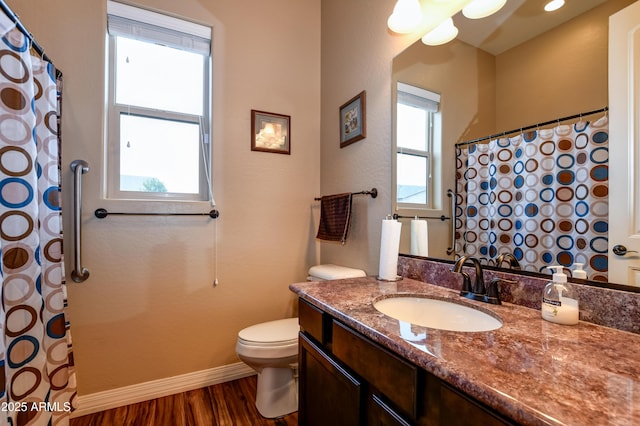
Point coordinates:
[[277, 391]]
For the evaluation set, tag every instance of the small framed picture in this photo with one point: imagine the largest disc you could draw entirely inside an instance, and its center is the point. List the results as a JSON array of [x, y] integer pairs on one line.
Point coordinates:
[[270, 132], [353, 120]]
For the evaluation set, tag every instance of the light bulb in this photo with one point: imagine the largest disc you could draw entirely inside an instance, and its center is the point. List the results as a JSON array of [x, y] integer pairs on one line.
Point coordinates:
[[443, 33], [553, 5], [482, 8], [406, 16]]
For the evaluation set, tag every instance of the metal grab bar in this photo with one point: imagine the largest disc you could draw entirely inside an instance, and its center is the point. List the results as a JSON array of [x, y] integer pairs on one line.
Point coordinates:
[[452, 196], [78, 167]]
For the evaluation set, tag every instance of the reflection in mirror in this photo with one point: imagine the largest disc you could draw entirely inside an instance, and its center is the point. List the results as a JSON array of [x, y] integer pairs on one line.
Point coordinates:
[[541, 195], [559, 73], [418, 142]]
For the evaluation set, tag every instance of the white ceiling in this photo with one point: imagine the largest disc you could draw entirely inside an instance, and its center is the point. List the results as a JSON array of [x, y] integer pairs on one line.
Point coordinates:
[[517, 22]]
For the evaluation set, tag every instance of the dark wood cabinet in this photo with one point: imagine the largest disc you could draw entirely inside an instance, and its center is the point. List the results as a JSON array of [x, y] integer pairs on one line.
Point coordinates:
[[458, 409], [379, 413], [347, 379], [393, 377], [329, 395]]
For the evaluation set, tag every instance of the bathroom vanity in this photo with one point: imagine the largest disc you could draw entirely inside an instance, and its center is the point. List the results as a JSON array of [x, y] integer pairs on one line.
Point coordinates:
[[359, 366], [347, 379]]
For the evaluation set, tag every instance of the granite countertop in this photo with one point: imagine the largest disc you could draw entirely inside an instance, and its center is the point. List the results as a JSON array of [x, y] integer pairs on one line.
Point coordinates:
[[531, 370]]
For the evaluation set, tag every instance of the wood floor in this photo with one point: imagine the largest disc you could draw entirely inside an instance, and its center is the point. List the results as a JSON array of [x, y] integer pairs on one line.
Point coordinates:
[[226, 404]]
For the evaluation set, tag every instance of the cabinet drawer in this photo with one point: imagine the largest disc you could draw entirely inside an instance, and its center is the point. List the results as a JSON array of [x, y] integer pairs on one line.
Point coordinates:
[[310, 319], [457, 409], [395, 378]]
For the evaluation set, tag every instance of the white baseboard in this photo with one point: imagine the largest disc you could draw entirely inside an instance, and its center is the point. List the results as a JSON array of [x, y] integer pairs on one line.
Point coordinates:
[[99, 401]]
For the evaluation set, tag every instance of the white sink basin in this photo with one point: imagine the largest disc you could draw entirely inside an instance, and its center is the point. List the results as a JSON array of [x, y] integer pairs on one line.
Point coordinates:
[[436, 313]]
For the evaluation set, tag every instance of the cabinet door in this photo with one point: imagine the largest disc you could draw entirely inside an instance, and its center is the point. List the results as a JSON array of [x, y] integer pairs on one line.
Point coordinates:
[[394, 377], [329, 395], [380, 414]]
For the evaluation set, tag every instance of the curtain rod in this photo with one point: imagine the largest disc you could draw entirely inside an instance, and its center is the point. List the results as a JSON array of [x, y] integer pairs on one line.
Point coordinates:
[[34, 44], [522, 129]]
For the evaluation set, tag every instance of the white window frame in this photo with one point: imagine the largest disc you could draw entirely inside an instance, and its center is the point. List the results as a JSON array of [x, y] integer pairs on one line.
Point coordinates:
[[429, 101], [145, 25]]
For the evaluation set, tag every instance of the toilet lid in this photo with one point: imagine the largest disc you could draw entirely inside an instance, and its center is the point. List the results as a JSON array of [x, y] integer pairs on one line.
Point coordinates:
[[334, 272], [273, 331]]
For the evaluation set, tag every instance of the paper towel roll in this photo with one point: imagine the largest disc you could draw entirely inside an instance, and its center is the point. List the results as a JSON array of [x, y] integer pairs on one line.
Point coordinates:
[[389, 247], [419, 238]]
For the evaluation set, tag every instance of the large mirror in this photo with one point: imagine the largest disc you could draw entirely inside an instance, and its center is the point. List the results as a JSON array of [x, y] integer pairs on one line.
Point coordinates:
[[517, 68]]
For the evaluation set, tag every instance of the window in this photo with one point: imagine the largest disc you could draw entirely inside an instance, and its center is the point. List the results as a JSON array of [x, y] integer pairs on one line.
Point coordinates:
[[417, 147], [158, 144]]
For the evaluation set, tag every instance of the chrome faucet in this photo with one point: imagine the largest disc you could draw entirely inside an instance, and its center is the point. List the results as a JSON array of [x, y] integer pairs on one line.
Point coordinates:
[[477, 291], [513, 262]]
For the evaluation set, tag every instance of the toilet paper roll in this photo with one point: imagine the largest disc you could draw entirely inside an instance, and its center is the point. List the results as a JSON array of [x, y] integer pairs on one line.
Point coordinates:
[[389, 247], [419, 238]]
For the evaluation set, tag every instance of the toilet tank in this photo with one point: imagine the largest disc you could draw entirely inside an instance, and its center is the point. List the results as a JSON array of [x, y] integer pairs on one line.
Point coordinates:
[[333, 272]]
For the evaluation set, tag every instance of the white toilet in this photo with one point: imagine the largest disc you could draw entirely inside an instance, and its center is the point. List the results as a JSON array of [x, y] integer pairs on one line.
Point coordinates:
[[271, 348]]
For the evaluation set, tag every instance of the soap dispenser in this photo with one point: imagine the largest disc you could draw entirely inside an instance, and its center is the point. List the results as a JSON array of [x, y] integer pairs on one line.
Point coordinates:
[[559, 304], [579, 272]]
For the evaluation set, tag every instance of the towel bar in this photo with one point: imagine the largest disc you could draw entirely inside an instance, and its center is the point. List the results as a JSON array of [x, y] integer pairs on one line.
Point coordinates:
[[102, 213], [442, 217], [450, 194], [373, 193]]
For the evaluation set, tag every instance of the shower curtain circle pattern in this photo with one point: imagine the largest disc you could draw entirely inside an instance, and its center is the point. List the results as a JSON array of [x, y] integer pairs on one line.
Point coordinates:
[[37, 368], [541, 195]]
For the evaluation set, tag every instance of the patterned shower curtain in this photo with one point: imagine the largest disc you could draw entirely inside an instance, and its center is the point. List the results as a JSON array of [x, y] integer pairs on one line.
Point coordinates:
[[541, 195], [36, 368]]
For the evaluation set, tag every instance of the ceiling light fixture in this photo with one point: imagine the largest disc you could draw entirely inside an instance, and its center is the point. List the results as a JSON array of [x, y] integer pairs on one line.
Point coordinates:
[[442, 34], [406, 16], [553, 5], [482, 8]]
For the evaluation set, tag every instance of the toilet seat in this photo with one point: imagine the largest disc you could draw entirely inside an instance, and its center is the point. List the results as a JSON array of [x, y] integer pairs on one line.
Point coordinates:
[[271, 333], [273, 339]]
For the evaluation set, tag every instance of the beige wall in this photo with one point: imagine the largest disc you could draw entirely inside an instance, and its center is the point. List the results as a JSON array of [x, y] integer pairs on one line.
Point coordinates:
[[357, 50], [561, 73], [463, 75], [149, 310], [465, 78]]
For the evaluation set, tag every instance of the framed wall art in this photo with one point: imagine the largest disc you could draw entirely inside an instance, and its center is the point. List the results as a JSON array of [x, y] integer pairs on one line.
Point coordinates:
[[353, 120], [270, 132]]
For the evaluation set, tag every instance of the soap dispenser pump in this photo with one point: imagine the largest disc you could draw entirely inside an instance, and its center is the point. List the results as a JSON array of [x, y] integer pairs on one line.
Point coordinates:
[[579, 272], [559, 304]]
